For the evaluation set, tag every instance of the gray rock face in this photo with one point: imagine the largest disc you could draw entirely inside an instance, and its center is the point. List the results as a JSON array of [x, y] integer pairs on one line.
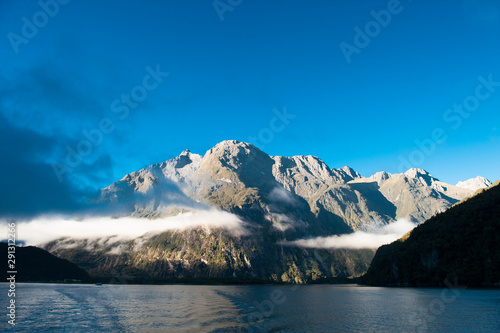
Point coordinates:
[[238, 177], [417, 195]]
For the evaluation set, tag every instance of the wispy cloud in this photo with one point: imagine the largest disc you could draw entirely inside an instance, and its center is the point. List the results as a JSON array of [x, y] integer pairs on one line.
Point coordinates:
[[280, 195], [45, 229], [284, 222], [358, 240]]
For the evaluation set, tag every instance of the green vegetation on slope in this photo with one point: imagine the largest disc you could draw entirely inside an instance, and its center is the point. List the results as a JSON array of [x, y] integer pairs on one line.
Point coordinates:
[[211, 256]]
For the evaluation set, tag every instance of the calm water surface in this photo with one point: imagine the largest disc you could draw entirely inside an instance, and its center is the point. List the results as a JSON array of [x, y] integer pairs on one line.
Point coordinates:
[[186, 308]]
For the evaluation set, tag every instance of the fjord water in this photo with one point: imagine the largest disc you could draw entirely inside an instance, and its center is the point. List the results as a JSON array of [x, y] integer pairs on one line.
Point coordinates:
[[261, 308]]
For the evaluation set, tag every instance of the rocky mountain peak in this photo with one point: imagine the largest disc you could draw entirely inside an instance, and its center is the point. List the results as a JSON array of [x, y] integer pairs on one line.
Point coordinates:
[[229, 146], [178, 162], [380, 176], [416, 172], [185, 152], [233, 154], [474, 184], [304, 168], [350, 172], [312, 163], [420, 175]]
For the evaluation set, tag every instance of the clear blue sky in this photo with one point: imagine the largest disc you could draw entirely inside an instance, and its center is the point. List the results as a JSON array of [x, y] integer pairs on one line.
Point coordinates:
[[227, 76]]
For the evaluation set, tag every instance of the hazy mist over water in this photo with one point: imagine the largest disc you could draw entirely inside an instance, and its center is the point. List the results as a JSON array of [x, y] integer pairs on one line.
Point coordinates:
[[193, 308]]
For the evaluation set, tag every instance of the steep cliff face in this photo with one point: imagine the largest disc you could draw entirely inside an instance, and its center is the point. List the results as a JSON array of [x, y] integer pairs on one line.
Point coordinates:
[[462, 243], [416, 194], [326, 190], [209, 255]]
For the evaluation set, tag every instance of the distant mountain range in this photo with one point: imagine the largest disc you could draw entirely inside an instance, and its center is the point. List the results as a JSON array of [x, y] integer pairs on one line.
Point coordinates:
[[276, 198], [460, 246], [475, 184], [238, 177]]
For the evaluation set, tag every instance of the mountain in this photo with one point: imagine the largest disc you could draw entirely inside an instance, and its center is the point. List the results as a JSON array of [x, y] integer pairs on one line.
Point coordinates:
[[416, 194], [461, 245], [474, 184], [275, 198], [238, 177], [36, 265]]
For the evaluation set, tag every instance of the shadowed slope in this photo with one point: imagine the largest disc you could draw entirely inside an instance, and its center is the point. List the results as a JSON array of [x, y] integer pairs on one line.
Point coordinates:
[[37, 265], [462, 243]]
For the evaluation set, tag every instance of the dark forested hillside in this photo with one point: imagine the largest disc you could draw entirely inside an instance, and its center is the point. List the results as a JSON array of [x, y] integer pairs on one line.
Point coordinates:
[[36, 265], [461, 245]]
